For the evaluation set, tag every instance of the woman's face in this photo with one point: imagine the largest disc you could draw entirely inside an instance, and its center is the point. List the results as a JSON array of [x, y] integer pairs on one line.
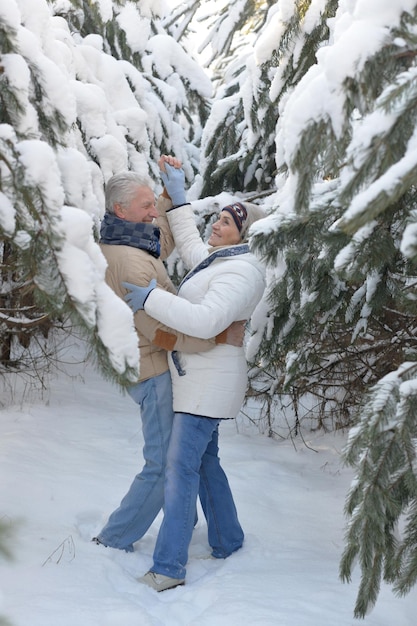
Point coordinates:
[[224, 231]]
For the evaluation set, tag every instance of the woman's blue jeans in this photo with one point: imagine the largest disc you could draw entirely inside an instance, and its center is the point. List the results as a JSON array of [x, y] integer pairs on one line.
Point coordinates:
[[193, 468], [142, 503]]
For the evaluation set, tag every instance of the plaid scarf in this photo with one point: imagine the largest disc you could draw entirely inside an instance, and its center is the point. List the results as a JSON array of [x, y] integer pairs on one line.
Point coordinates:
[[144, 236]]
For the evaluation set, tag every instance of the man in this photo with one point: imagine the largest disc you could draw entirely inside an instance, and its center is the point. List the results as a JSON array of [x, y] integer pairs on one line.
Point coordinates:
[[135, 247]]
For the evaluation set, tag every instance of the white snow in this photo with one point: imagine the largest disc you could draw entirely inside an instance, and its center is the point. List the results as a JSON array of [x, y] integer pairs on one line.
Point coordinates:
[[66, 462]]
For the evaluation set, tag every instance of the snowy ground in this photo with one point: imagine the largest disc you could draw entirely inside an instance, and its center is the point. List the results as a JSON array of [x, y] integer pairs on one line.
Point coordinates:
[[65, 464]]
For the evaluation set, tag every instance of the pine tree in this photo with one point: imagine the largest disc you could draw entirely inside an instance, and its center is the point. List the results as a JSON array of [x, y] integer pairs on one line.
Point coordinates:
[[383, 497], [173, 85], [238, 145], [341, 247], [86, 92], [382, 505], [233, 152]]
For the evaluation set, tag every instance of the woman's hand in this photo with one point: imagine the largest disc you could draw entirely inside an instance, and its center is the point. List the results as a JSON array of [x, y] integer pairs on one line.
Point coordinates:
[[136, 296], [173, 178]]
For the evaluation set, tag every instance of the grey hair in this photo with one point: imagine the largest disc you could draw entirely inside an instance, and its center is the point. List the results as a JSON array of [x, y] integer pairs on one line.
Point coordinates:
[[121, 188]]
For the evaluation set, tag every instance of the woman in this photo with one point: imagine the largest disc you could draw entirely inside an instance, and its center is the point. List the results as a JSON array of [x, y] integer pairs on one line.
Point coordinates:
[[225, 284]]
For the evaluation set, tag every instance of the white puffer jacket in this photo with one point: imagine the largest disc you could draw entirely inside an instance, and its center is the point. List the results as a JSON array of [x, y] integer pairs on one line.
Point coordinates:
[[210, 384]]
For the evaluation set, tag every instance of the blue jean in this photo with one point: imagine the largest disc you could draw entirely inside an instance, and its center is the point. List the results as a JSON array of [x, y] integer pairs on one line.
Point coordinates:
[[145, 497], [193, 468]]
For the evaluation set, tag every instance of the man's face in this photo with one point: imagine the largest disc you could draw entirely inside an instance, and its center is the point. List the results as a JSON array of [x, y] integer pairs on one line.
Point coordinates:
[[141, 208]]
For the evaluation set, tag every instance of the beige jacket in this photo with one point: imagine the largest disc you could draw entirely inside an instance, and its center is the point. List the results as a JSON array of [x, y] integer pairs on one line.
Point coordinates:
[[128, 264]]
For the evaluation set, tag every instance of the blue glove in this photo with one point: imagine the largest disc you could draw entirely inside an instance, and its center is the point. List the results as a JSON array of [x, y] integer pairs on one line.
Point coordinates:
[[136, 296], [174, 180]]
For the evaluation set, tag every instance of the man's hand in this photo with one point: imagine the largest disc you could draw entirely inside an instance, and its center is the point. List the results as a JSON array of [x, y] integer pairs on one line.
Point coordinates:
[[136, 296], [233, 335], [174, 181], [171, 160]]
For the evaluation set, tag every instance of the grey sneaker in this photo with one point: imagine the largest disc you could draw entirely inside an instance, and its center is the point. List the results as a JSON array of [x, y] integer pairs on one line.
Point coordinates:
[[159, 582]]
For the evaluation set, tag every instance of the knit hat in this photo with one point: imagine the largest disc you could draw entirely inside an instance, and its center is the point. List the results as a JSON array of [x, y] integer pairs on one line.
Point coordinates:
[[244, 215]]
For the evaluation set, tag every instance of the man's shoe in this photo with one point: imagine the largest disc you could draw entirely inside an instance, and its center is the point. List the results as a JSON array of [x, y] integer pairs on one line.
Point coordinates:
[[97, 541], [159, 582]]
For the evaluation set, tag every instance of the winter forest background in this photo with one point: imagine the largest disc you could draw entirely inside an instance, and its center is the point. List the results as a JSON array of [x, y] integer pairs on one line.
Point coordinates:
[[307, 107]]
